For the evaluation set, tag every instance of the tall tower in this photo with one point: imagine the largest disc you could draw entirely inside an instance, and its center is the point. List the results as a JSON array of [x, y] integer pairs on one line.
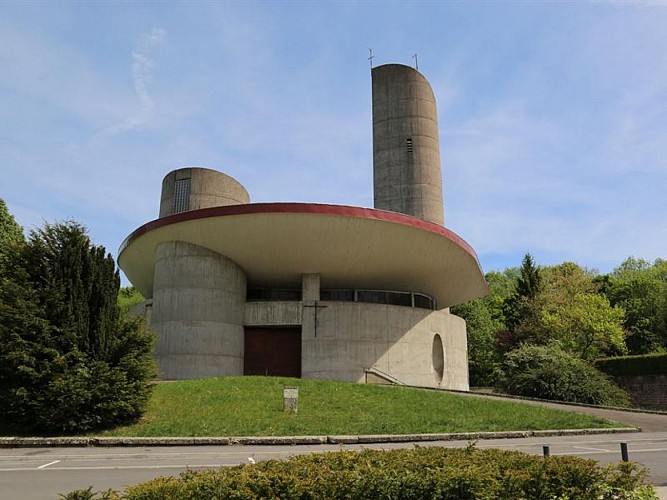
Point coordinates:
[[406, 150]]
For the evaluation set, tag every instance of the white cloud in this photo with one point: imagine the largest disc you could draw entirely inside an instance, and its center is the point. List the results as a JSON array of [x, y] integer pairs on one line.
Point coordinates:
[[143, 68]]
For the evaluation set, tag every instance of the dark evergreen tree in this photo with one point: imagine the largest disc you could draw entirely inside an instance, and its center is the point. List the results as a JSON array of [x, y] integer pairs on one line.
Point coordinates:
[[518, 308], [27, 356], [78, 285], [68, 363], [528, 284], [11, 235]]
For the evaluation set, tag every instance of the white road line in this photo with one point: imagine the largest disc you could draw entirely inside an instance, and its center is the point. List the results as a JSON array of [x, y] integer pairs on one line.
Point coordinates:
[[593, 449], [129, 467], [145, 456], [46, 465]]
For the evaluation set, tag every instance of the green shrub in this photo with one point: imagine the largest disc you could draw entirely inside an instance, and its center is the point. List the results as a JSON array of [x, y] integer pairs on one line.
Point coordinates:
[[548, 372], [69, 363], [645, 364], [433, 473], [75, 393]]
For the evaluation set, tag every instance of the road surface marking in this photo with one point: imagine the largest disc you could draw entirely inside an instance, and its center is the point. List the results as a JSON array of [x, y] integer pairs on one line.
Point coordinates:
[[129, 467], [46, 465]]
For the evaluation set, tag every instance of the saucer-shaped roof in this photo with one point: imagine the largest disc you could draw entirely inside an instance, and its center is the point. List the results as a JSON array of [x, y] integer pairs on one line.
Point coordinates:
[[350, 247]]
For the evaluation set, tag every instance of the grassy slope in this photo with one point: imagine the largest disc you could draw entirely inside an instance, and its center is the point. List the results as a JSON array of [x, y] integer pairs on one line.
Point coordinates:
[[252, 406]]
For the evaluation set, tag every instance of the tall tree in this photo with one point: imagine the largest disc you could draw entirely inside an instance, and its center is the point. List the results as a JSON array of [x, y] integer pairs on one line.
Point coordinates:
[[11, 235], [640, 288], [78, 284], [586, 325], [76, 366], [484, 318], [520, 306], [530, 279], [569, 309]]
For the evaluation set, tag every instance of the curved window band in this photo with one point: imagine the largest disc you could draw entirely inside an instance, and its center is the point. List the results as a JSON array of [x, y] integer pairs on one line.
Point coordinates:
[[390, 297]]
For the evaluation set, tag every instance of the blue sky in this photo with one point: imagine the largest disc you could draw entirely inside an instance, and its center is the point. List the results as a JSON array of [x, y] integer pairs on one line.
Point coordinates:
[[553, 116]]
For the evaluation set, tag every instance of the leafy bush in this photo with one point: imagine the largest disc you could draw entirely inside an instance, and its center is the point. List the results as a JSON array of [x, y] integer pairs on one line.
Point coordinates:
[[434, 473], [645, 364], [548, 372]]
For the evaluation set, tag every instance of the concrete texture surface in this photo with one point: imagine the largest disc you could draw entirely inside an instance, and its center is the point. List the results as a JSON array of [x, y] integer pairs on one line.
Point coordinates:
[[198, 308], [407, 175], [207, 188], [397, 340], [350, 247]]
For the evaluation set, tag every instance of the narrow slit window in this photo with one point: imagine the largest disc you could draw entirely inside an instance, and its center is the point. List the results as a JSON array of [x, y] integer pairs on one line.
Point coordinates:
[[409, 145], [181, 196]]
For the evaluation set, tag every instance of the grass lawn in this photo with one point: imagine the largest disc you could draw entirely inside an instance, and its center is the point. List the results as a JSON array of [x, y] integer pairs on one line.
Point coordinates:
[[252, 406]]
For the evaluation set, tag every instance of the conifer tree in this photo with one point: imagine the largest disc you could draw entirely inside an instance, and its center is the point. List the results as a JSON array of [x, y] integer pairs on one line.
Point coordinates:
[[78, 285], [519, 306], [68, 363], [528, 284], [11, 235]]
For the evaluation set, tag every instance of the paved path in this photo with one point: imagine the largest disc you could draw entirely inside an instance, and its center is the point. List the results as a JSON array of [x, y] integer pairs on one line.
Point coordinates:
[[647, 422]]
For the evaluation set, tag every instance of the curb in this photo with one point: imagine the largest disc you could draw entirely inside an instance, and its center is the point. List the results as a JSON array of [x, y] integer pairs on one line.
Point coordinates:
[[82, 442]]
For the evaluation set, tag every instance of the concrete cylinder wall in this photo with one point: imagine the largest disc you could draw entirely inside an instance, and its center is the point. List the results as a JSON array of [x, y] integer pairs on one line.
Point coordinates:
[[198, 308], [206, 188], [407, 175]]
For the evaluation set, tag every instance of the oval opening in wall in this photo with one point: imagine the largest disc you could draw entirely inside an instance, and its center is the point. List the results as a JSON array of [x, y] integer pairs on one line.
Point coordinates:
[[438, 358]]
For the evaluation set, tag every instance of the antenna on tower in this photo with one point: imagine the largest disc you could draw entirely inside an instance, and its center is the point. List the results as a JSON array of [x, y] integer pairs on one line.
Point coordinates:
[[370, 57], [414, 56]]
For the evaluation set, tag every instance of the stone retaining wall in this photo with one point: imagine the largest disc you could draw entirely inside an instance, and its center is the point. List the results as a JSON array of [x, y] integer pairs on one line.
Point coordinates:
[[647, 391]]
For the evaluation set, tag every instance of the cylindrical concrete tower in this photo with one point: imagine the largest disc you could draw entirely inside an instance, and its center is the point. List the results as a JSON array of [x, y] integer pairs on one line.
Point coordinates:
[[406, 151], [192, 188], [198, 307]]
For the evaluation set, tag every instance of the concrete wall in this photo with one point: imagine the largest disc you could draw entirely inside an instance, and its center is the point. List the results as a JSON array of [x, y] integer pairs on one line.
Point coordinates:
[[198, 312], [207, 188], [407, 175], [143, 309], [346, 338], [399, 341], [273, 313]]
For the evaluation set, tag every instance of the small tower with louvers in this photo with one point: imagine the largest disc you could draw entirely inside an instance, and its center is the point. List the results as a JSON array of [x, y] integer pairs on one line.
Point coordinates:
[[407, 175]]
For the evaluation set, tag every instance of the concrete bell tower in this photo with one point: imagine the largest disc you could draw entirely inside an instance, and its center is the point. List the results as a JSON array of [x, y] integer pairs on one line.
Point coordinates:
[[406, 151]]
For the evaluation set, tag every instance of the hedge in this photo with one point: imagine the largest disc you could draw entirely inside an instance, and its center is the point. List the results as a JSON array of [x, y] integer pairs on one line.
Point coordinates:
[[549, 372], [419, 473], [627, 366]]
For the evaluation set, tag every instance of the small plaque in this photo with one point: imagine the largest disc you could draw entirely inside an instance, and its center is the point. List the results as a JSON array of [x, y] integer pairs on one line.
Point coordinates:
[[291, 393], [291, 399]]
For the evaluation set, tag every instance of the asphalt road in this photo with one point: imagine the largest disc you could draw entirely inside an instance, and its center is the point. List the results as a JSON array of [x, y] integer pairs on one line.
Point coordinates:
[[43, 473]]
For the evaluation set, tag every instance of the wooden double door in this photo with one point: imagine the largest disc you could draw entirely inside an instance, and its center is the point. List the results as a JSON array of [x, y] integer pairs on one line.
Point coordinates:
[[272, 352]]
